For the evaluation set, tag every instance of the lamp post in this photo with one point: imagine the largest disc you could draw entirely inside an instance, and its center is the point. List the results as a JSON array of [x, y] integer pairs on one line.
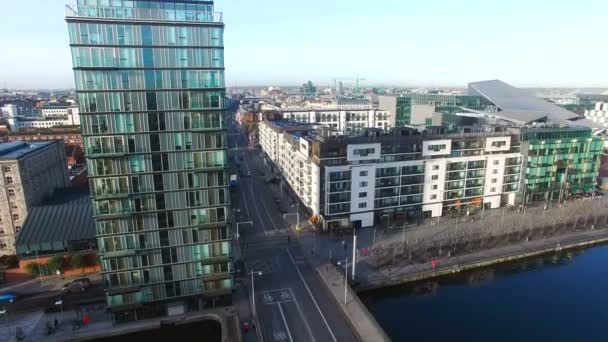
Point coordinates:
[[39, 267], [237, 227], [259, 273], [345, 278]]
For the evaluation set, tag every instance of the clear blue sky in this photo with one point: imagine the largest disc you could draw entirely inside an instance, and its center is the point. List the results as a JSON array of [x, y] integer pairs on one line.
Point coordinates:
[[409, 42]]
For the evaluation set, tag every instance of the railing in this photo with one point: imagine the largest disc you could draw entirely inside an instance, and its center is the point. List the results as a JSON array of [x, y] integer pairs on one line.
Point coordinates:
[[143, 14]]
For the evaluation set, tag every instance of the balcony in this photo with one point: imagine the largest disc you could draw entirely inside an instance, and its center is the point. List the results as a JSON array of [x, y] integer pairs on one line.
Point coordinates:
[[147, 14]]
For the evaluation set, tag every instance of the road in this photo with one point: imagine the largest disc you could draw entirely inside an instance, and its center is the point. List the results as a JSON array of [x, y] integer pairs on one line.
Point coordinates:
[[291, 302]]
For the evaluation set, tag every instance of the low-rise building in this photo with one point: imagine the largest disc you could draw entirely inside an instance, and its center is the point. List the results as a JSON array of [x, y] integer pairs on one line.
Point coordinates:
[[30, 173]]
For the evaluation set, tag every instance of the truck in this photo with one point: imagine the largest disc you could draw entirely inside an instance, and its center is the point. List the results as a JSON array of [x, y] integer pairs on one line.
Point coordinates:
[[234, 181]]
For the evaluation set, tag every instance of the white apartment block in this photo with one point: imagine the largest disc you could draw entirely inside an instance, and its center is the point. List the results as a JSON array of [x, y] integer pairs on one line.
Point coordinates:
[[348, 119], [357, 181], [599, 114], [30, 172]]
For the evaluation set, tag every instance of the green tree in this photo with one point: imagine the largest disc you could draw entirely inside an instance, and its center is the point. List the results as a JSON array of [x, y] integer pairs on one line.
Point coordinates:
[[33, 268], [77, 261], [55, 263]]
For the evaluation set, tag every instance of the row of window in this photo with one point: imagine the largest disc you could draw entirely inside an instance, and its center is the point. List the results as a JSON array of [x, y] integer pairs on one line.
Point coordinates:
[[107, 57], [112, 34], [151, 122], [154, 142], [148, 79], [143, 101]]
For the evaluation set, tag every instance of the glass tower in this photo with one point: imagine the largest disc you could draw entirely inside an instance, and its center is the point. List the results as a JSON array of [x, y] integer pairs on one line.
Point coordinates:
[[150, 83]]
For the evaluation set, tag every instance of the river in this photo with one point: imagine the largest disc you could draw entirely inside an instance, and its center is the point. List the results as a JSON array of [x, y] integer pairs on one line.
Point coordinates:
[[562, 297]]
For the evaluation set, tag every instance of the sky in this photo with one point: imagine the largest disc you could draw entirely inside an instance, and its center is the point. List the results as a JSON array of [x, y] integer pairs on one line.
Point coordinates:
[[529, 43]]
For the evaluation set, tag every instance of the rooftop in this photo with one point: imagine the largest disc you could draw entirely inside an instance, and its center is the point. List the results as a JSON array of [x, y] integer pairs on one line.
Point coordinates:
[[144, 14], [19, 149], [66, 219]]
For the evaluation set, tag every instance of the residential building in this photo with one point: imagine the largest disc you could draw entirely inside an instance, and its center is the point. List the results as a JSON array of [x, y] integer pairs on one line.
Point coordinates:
[[150, 84], [18, 124], [348, 119], [402, 174], [10, 110], [599, 114], [30, 173]]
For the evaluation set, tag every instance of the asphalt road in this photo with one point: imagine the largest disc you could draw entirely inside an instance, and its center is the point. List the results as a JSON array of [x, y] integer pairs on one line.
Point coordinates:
[[290, 301]]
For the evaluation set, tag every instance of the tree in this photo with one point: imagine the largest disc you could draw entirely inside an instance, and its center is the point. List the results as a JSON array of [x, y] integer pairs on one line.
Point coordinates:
[[33, 268], [55, 263], [77, 261]]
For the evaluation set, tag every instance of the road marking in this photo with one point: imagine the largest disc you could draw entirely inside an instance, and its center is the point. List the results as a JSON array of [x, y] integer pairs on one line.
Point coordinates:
[[285, 322], [278, 296], [302, 317], [279, 335], [311, 296]]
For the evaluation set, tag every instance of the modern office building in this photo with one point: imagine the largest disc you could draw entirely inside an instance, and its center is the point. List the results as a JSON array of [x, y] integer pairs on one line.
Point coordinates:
[[424, 109], [599, 114], [402, 174], [150, 84], [559, 161], [30, 173]]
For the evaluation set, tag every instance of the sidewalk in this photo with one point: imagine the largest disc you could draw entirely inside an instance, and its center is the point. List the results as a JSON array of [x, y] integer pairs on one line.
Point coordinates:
[[360, 319], [242, 303]]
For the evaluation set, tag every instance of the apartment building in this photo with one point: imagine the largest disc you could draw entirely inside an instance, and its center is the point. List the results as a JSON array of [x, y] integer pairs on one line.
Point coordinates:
[[348, 119], [30, 173], [150, 84], [402, 174]]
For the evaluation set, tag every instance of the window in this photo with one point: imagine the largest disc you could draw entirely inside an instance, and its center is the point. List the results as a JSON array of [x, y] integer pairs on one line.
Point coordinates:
[[494, 171], [7, 169], [435, 187], [435, 167], [433, 197], [499, 143], [434, 177], [8, 180], [496, 162], [2, 244], [436, 148], [362, 205], [17, 229], [13, 205], [11, 192], [363, 173], [362, 194], [15, 217], [492, 189], [363, 152], [362, 184], [494, 180]]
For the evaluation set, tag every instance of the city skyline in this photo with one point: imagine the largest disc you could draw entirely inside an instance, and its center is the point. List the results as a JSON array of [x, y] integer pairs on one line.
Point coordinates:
[[432, 44]]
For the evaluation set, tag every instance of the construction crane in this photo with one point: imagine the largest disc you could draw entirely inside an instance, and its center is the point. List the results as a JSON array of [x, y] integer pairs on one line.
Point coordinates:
[[357, 80]]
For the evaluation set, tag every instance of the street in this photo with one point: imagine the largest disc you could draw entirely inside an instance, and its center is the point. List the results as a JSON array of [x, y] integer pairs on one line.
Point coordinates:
[[291, 302]]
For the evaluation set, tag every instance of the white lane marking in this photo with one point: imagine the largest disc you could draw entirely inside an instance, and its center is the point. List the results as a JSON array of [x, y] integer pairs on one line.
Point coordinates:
[[285, 322], [246, 206], [279, 335], [293, 295], [311, 296], [269, 216]]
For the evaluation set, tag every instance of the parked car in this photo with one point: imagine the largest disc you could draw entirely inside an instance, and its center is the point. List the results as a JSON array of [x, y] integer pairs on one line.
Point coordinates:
[[77, 285]]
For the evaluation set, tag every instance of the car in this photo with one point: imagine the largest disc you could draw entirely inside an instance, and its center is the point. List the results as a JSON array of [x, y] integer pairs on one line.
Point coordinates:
[[77, 285]]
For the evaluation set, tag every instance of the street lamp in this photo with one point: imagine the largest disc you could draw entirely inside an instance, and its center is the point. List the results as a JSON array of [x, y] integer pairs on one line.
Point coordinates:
[[237, 227], [259, 273], [345, 278], [39, 267]]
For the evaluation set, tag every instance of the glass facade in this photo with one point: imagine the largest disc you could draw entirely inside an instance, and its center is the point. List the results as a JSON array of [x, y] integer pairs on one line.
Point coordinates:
[[560, 162], [150, 83], [443, 103]]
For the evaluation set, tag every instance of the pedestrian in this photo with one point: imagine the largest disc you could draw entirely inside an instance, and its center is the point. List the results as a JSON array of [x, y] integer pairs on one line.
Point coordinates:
[[288, 239], [56, 323]]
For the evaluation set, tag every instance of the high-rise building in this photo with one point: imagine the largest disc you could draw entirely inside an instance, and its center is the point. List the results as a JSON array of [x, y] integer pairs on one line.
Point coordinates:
[[150, 84]]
